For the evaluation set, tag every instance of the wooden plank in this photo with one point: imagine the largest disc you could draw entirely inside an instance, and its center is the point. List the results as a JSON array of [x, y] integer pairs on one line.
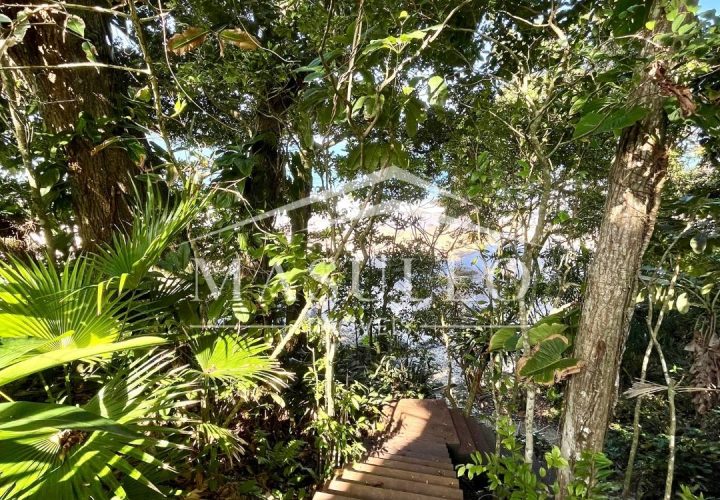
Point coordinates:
[[363, 491], [410, 475], [393, 483], [434, 468], [323, 495], [420, 458], [466, 443]]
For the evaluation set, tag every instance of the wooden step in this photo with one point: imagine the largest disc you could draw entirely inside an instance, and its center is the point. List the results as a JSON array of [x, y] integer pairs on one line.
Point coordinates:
[[435, 469], [392, 483], [466, 444], [410, 475], [419, 458], [412, 462], [439, 450], [482, 435], [323, 495], [363, 491]]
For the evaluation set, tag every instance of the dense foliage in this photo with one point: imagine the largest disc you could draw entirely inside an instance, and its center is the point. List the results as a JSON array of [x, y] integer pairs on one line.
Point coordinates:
[[232, 233]]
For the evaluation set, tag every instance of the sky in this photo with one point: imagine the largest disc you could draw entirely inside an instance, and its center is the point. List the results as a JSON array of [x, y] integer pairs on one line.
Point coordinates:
[[709, 5]]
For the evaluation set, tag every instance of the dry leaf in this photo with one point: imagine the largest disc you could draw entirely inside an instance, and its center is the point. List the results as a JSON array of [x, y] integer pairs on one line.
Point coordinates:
[[191, 38]]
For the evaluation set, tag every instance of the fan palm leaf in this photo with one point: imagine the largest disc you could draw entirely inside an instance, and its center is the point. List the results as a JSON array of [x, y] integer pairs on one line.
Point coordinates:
[[64, 452], [236, 360]]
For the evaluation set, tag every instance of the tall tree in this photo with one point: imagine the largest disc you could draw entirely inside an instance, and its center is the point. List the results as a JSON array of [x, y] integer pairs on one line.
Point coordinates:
[[77, 101], [635, 183]]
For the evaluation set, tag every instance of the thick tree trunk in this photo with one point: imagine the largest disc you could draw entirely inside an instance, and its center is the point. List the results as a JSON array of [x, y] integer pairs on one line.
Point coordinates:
[[100, 180], [635, 183]]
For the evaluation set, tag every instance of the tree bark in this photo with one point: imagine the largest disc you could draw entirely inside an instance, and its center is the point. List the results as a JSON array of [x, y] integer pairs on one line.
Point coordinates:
[[636, 179], [100, 180]]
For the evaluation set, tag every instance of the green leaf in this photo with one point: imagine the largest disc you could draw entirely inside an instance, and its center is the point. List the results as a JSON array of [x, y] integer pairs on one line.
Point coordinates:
[[414, 114], [4, 19], [100, 289], [144, 94], [240, 361], [546, 361], [43, 361], [618, 120], [179, 107], [596, 122], [438, 90], [19, 418], [90, 51], [698, 243], [505, 339], [76, 25], [540, 332], [323, 269], [682, 303], [678, 21], [587, 124], [242, 309]]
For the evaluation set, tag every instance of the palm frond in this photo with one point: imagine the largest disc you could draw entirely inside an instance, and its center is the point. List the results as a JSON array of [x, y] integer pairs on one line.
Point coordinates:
[[64, 452], [235, 360], [38, 302], [130, 256]]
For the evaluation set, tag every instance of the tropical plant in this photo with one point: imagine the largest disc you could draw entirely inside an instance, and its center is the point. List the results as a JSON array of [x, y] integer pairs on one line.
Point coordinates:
[[65, 452]]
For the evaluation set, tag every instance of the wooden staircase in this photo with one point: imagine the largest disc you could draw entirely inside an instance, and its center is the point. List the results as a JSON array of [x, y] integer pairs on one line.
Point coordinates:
[[413, 461]]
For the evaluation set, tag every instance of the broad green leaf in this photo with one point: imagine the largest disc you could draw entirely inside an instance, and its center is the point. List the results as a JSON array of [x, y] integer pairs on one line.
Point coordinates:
[[505, 339], [597, 122], [15, 348], [323, 269], [621, 118], [43, 361], [438, 90], [540, 332], [682, 303], [144, 94], [242, 309], [588, 123], [90, 51], [698, 243], [546, 360], [414, 114], [4, 19], [19, 418], [76, 25]]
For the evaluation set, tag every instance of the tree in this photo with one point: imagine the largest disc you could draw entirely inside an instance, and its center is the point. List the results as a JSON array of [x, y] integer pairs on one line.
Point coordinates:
[[79, 100], [635, 184]]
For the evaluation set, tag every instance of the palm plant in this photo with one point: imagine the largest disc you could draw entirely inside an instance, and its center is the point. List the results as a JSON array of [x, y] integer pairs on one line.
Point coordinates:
[[66, 452], [91, 309], [48, 318], [227, 367]]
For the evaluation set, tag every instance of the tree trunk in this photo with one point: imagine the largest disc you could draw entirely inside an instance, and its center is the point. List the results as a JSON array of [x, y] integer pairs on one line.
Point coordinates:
[[634, 187], [100, 180]]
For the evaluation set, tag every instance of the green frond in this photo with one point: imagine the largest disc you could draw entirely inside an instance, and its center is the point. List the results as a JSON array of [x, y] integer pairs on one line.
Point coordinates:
[[240, 361], [226, 440], [36, 301], [64, 452], [130, 256]]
